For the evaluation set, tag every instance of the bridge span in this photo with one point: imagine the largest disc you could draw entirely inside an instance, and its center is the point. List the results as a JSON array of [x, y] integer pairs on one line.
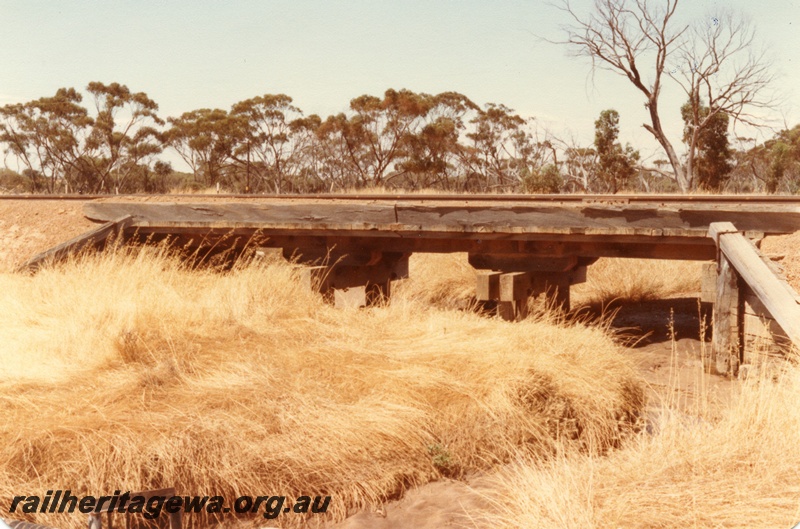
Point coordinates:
[[354, 246], [520, 247]]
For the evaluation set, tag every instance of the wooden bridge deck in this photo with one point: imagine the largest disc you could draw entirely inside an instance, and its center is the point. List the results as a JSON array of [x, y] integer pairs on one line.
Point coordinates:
[[592, 230]]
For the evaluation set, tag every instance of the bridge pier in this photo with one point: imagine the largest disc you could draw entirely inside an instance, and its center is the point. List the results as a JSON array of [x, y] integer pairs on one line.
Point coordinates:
[[510, 280], [349, 285]]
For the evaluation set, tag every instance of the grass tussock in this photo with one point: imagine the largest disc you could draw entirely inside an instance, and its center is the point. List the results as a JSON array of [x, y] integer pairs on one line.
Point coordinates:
[[635, 280], [734, 468], [445, 281], [127, 371]]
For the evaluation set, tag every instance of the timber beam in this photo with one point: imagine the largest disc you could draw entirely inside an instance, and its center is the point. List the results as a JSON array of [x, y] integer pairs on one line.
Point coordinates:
[[363, 284], [530, 245]]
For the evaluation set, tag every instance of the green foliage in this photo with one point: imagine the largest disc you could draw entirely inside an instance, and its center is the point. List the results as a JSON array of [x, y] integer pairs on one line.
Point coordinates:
[[122, 135], [442, 460], [707, 134], [205, 139], [274, 134], [781, 160], [545, 179], [13, 182], [401, 139], [772, 167], [616, 165], [64, 148]]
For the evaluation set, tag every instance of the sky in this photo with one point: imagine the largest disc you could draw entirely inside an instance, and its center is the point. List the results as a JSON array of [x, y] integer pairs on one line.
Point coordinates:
[[212, 54]]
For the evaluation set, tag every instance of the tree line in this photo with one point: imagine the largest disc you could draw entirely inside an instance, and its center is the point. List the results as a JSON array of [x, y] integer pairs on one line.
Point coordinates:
[[267, 145], [402, 140]]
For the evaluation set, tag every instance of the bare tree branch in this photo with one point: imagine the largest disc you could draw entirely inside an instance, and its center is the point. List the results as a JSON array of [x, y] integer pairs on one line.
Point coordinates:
[[715, 62]]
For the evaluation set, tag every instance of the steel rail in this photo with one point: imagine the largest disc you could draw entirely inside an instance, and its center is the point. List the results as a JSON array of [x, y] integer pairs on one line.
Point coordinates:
[[554, 198]]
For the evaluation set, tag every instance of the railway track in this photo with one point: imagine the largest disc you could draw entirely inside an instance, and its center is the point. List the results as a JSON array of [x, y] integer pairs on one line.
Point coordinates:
[[549, 199]]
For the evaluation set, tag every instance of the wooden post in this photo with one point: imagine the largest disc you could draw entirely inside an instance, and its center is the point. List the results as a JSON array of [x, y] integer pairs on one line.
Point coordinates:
[[725, 346], [316, 278], [514, 291], [708, 282], [778, 298], [356, 285], [487, 285], [555, 286]]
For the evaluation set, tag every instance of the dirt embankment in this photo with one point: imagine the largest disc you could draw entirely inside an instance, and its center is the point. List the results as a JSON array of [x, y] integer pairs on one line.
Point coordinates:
[[28, 227], [785, 249]]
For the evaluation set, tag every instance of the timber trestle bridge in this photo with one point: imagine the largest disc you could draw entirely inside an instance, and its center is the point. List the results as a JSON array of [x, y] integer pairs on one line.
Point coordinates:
[[521, 246]]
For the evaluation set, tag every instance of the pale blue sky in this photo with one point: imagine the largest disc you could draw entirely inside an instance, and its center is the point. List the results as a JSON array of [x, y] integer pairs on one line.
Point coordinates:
[[214, 53]]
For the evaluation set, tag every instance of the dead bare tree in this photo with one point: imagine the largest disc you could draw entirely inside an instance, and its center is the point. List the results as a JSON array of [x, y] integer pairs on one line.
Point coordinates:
[[722, 72], [641, 41]]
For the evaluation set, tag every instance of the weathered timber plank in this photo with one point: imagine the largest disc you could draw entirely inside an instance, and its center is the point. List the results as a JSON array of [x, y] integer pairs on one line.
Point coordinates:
[[487, 285], [515, 286], [534, 244], [725, 340], [522, 262], [516, 310], [770, 290], [232, 215], [555, 286], [632, 220], [315, 278], [578, 275], [761, 333], [753, 305], [351, 297], [91, 238], [763, 327], [708, 282]]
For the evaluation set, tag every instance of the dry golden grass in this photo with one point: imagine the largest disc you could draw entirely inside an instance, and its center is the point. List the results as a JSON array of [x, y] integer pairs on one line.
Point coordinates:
[[127, 371], [446, 281], [737, 469], [634, 280]]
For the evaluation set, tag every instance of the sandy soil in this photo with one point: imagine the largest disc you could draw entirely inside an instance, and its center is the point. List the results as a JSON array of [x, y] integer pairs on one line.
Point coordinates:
[[785, 249], [28, 227], [445, 503]]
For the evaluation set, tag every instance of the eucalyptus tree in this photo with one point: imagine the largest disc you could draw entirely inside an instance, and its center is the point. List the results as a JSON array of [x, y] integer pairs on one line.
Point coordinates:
[[504, 148], [616, 164], [46, 136], [124, 134], [712, 158], [205, 140], [274, 140], [433, 155]]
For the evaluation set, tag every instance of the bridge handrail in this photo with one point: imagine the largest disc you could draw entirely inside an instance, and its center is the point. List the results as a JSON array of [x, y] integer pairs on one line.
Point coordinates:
[[776, 295]]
